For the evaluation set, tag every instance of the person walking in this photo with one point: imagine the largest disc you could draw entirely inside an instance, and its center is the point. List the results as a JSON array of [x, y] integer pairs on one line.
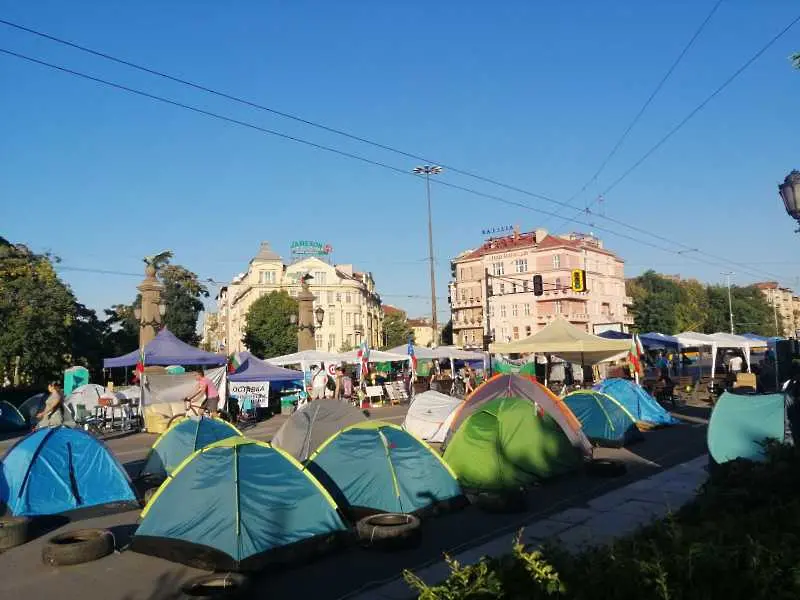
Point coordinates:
[[52, 415], [338, 390]]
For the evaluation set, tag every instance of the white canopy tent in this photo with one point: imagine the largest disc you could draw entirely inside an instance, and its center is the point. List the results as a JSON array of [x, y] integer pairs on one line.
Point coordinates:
[[450, 353], [729, 340], [375, 356], [305, 359], [714, 341]]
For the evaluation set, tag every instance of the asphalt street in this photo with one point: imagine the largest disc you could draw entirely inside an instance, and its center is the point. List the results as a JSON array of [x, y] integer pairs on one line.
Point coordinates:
[[127, 575]]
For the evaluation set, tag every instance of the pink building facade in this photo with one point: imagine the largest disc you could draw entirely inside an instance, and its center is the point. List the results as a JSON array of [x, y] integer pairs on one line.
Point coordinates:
[[514, 312]]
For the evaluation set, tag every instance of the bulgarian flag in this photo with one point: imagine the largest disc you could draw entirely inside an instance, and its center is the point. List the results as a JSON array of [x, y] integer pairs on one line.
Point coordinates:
[[635, 352], [363, 361], [140, 364], [234, 362]]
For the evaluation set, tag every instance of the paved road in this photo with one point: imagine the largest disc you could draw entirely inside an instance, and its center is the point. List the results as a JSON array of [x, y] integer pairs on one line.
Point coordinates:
[[131, 576]]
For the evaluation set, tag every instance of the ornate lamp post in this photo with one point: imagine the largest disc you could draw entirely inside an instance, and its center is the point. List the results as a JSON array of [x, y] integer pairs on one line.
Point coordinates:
[[789, 191], [152, 309], [306, 318]]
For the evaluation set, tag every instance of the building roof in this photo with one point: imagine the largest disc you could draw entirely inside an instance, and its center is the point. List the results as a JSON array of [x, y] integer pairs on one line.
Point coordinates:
[[422, 322], [388, 309], [517, 241], [265, 252]]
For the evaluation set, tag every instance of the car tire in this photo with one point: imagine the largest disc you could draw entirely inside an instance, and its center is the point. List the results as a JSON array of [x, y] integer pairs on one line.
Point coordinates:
[[605, 467], [389, 530], [78, 546], [14, 531], [216, 585]]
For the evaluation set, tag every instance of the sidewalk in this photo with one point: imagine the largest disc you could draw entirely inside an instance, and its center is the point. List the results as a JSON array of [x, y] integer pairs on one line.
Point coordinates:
[[614, 514]]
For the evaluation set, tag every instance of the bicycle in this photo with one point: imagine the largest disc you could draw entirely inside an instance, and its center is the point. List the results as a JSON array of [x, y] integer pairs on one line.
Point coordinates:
[[191, 410]]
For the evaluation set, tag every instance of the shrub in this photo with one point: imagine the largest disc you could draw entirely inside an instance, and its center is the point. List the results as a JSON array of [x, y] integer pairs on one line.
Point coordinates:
[[740, 538]]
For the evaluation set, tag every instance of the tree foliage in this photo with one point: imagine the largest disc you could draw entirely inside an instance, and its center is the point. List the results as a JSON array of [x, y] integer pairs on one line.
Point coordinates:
[[396, 330], [268, 331], [447, 333], [182, 295], [663, 305]]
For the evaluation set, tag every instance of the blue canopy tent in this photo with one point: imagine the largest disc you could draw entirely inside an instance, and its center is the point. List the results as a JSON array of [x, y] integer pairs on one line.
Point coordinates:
[[655, 340], [612, 334], [165, 350], [254, 369]]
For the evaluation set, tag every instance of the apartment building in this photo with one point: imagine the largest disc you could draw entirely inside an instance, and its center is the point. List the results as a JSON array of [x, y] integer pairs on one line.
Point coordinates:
[[787, 306], [349, 298], [510, 263]]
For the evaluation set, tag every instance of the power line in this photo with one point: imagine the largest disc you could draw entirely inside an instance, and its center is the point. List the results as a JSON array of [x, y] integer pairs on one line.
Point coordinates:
[[696, 110], [647, 103], [407, 154], [355, 156]]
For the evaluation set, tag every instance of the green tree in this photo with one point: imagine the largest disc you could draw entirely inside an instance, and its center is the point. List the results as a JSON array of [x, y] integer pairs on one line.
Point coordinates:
[[37, 311], [268, 331], [182, 295], [751, 311], [691, 312], [396, 329], [655, 299], [121, 329], [447, 333], [88, 340]]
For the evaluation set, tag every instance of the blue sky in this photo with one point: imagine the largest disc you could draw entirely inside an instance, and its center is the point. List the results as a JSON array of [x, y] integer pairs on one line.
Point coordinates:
[[530, 93]]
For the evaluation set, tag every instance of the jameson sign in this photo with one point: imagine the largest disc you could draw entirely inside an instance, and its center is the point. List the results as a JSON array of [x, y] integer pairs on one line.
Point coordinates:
[[309, 248], [255, 391]]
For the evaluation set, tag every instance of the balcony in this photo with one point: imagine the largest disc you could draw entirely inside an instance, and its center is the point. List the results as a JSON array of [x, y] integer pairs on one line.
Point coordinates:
[[468, 324], [578, 317], [468, 303], [628, 301]]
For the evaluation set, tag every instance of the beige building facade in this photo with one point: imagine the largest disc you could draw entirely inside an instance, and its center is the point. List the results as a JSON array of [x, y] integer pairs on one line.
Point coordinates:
[[349, 298], [514, 312], [787, 306]]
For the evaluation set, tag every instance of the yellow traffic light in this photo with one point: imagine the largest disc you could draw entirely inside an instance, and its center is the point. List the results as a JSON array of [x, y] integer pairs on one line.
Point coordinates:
[[578, 280]]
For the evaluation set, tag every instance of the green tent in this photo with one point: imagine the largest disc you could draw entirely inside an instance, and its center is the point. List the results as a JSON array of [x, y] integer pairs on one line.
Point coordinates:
[[508, 443], [75, 377]]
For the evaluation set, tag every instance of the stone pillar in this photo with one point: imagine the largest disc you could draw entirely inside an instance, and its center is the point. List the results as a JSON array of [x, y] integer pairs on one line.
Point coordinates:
[[305, 320], [150, 318]]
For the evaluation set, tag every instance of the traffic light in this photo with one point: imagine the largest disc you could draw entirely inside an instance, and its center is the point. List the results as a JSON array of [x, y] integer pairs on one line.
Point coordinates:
[[538, 285], [578, 280]]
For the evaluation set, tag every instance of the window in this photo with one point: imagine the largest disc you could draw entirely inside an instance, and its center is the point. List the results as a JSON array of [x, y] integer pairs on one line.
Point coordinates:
[[558, 307], [318, 341], [526, 309], [332, 343], [266, 277], [497, 269], [491, 312], [331, 317], [502, 310], [521, 265], [514, 310], [516, 333], [348, 298], [463, 295], [319, 277], [330, 297], [347, 318], [558, 283], [357, 319], [462, 275], [527, 331], [502, 288], [338, 297], [350, 340], [556, 261]]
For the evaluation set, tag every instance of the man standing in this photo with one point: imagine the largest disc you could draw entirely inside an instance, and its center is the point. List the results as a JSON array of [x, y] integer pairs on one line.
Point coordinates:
[[205, 389], [319, 381]]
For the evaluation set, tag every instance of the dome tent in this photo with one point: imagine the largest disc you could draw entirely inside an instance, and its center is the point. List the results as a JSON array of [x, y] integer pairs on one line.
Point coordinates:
[[375, 467], [308, 428], [11, 419], [32, 407], [258, 507], [184, 437], [430, 415], [604, 420], [508, 443], [641, 405], [59, 469]]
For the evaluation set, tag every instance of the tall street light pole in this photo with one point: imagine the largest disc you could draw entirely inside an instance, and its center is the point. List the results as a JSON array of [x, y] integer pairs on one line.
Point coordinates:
[[730, 302], [429, 170]]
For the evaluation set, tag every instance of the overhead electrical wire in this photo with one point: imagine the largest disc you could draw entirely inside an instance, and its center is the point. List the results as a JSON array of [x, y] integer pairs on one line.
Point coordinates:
[[647, 103], [350, 155]]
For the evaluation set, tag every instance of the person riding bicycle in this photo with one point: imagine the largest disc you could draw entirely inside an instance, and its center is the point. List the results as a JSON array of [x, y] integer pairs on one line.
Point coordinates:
[[208, 391]]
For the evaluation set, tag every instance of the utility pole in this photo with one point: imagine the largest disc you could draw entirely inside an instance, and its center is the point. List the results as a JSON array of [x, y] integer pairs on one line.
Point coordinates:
[[429, 170], [730, 302]]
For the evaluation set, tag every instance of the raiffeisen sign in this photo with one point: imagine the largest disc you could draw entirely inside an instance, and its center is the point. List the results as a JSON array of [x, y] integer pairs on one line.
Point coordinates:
[[310, 248]]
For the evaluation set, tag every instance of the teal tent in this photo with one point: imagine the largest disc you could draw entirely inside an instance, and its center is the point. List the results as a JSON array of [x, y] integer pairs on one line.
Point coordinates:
[[740, 423], [181, 439], [375, 467], [604, 420], [238, 505], [10, 418], [644, 408], [75, 377]]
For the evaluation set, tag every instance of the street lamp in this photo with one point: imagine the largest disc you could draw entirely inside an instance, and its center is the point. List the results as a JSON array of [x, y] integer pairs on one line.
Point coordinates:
[[429, 170], [789, 191], [319, 313]]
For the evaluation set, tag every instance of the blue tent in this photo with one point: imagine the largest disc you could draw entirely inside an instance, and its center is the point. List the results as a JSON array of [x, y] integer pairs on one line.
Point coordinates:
[[11, 419], [253, 369], [605, 421], [740, 423], [166, 350], [59, 469], [374, 467], [238, 505], [182, 438], [655, 341], [613, 334], [644, 408]]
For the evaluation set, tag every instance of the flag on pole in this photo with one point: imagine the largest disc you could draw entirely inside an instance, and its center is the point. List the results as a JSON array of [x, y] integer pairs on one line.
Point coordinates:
[[413, 357], [363, 361], [140, 363], [633, 356]]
